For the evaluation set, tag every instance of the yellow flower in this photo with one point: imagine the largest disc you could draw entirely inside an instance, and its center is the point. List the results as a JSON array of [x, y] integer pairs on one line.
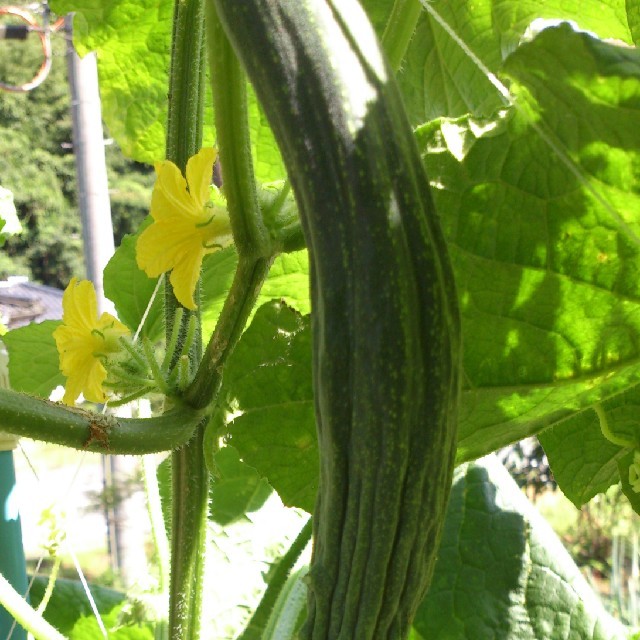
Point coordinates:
[[85, 342], [186, 226]]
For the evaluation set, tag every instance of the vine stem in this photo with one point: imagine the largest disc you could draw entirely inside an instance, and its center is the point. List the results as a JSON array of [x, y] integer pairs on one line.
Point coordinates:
[[248, 279], [399, 30], [229, 88], [190, 480], [250, 235]]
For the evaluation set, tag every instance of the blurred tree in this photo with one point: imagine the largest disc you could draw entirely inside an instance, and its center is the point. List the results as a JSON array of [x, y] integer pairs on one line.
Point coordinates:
[[37, 165]]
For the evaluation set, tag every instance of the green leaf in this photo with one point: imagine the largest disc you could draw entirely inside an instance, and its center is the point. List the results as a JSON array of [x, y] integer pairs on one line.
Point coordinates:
[[503, 573], [132, 40], [584, 463], [70, 612], [268, 164], [236, 490], [267, 385], [288, 280], [33, 358], [546, 255], [440, 79], [633, 17], [130, 289]]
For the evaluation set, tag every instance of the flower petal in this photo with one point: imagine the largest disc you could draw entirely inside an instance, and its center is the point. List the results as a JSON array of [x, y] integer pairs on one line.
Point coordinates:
[[170, 193], [164, 244], [184, 278], [200, 174], [79, 305]]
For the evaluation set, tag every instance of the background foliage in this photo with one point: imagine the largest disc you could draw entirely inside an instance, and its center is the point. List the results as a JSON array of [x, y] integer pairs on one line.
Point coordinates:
[[37, 165]]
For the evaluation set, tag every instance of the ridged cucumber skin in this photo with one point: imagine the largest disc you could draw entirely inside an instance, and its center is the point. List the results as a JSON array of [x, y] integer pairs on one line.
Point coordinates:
[[24, 415], [386, 328]]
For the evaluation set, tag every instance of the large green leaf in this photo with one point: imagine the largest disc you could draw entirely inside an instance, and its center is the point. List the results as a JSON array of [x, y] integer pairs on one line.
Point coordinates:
[[69, 611], [33, 358], [439, 78], [132, 40], [288, 280], [267, 386], [545, 247], [503, 573]]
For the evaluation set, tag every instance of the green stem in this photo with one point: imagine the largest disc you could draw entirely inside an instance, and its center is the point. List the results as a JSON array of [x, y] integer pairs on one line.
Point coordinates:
[[242, 297], [229, 86], [190, 490], [260, 618], [53, 576], [20, 609], [186, 82], [608, 434], [190, 485], [399, 30], [30, 417]]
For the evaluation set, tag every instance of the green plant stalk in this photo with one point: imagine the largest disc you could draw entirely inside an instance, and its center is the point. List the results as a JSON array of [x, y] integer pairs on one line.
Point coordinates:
[[24, 415], [260, 617], [399, 30], [190, 480], [53, 576], [190, 495], [250, 235], [229, 87], [25, 615], [248, 279]]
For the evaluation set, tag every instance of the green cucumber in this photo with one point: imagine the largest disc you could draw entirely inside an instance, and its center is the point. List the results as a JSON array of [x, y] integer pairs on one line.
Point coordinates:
[[24, 415], [385, 321]]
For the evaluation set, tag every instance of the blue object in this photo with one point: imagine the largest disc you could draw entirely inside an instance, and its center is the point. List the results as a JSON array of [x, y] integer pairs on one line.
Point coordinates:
[[12, 562]]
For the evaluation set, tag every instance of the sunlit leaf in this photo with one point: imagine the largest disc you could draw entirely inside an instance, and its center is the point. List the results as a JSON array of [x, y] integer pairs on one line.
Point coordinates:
[[440, 78], [541, 211]]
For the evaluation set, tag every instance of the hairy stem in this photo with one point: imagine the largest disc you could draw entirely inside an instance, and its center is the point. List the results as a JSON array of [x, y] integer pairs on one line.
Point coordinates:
[[190, 491], [190, 484], [229, 86], [242, 297], [399, 30]]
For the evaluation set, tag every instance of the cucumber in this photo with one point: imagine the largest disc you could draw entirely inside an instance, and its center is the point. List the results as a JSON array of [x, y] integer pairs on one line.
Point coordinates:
[[24, 415], [385, 321]]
